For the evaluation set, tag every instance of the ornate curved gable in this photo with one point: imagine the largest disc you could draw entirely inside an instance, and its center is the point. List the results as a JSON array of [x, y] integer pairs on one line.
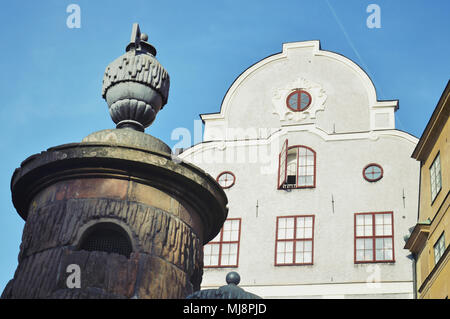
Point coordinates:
[[326, 90]]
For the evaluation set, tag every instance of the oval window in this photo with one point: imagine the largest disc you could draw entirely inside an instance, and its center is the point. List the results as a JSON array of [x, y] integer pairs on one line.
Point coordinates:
[[298, 100], [226, 179], [373, 172]]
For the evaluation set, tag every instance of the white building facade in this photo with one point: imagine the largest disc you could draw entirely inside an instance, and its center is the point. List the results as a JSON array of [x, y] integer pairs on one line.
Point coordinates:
[[321, 186]]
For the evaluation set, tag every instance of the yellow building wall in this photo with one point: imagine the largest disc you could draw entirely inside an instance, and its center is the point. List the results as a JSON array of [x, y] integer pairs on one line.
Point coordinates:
[[437, 212], [442, 146]]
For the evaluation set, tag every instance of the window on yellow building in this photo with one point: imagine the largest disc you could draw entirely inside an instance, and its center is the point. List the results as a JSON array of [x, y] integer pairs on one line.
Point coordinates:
[[439, 248], [435, 177]]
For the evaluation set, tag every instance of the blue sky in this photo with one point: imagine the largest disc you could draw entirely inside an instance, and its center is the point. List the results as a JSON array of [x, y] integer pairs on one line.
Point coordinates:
[[51, 75]]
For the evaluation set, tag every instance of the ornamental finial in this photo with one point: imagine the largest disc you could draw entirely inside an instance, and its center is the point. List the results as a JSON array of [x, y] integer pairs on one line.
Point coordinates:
[[135, 85]]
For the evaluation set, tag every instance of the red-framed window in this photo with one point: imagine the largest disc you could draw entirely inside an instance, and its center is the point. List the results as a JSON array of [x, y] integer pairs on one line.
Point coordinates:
[[223, 250], [226, 179], [294, 244], [374, 237], [298, 100], [297, 167], [372, 172]]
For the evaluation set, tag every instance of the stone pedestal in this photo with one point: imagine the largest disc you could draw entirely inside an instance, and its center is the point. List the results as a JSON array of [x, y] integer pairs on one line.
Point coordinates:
[[123, 184]]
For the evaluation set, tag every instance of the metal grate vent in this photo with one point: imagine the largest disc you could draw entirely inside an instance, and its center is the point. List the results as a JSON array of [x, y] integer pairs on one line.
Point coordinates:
[[107, 237]]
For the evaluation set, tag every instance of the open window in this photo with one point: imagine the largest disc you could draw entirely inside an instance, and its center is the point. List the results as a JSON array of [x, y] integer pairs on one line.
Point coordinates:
[[297, 167]]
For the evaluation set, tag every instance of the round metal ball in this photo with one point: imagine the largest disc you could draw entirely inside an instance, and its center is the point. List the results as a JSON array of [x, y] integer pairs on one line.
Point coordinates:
[[233, 278], [144, 36]]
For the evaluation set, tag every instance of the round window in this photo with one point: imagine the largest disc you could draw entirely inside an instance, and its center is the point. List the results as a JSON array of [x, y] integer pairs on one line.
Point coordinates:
[[373, 172], [226, 179], [298, 100]]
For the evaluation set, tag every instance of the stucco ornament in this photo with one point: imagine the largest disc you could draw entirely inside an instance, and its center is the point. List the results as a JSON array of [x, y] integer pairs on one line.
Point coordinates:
[[135, 85], [318, 98]]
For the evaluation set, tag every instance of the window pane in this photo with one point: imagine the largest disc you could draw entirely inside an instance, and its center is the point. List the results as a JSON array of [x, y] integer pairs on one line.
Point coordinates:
[[388, 254], [290, 223], [304, 100], [229, 254], [214, 260], [435, 177], [379, 243], [300, 232], [360, 244], [299, 258], [307, 246], [359, 220], [286, 228], [387, 230], [232, 260], [293, 101], [299, 246], [280, 258], [368, 230], [227, 225], [302, 160], [387, 219], [307, 257], [439, 248], [282, 233], [302, 171], [360, 255], [281, 247], [290, 233], [215, 249], [364, 250], [308, 221], [359, 231], [288, 258], [289, 246], [379, 255], [308, 233], [379, 230], [388, 243], [292, 168], [302, 181], [368, 255], [379, 219], [226, 236], [225, 249]]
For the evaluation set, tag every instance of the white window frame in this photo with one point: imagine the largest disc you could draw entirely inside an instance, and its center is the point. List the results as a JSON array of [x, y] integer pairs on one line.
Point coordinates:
[[435, 177], [439, 248]]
